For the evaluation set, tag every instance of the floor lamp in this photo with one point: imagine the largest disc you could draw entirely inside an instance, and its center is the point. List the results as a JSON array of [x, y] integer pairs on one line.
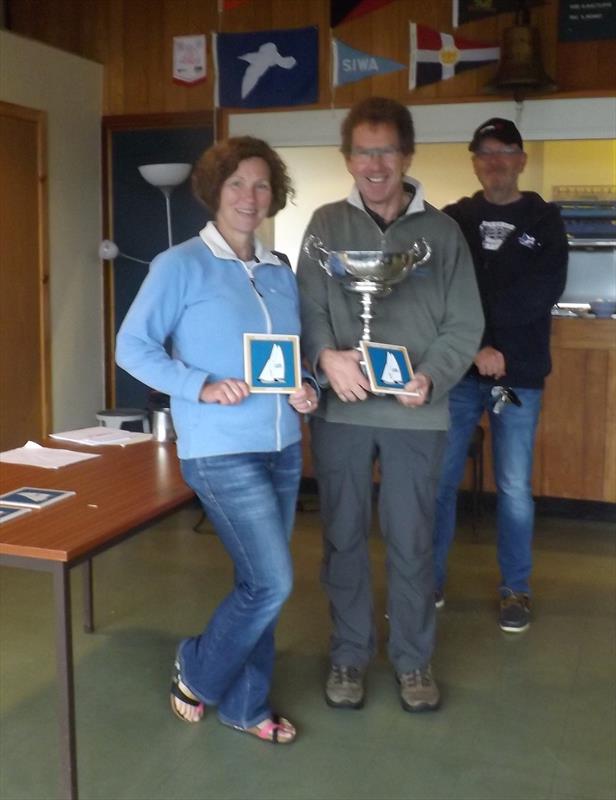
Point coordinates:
[[165, 177]]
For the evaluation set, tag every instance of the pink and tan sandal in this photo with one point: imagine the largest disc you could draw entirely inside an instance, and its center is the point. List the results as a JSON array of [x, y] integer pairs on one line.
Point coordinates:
[[270, 729]]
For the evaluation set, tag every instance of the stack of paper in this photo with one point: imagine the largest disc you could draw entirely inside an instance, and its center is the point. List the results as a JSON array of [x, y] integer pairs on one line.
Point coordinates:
[[33, 455], [102, 435]]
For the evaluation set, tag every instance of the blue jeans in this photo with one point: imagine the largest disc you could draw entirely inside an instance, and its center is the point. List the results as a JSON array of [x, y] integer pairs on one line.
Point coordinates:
[[250, 499], [513, 438]]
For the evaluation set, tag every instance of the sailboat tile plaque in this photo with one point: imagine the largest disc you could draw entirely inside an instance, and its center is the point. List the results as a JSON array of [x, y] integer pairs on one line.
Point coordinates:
[[272, 363], [388, 366]]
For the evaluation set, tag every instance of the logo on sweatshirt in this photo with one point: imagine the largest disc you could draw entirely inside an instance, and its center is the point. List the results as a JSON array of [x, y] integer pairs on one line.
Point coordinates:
[[528, 241]]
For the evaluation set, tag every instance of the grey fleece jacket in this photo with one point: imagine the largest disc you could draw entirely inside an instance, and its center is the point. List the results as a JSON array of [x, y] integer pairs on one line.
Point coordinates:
[[435, 312]]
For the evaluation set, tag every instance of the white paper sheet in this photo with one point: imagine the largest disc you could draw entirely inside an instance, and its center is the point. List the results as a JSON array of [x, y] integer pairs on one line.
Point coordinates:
[[34, 455], [100, 434]]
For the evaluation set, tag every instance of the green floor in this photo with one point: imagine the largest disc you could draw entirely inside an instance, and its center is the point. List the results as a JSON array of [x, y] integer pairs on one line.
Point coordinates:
[[523, 717]]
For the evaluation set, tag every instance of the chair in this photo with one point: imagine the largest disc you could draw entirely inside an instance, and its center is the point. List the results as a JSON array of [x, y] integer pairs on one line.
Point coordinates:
[[116, 417], [475, 453]]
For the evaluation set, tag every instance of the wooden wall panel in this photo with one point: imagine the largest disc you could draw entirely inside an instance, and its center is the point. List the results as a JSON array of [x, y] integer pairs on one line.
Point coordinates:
[[133, 39]]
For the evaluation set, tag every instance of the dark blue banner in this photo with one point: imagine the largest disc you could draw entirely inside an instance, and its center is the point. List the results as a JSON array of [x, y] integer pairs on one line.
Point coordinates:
[[267, 68]]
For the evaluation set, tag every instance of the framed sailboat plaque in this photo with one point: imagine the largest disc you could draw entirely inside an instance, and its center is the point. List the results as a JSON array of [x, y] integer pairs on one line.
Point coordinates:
[[388, 367], [272, 363]]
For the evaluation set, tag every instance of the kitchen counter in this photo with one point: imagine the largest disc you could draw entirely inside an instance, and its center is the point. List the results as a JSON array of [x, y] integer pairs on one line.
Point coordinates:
[[575, 453]]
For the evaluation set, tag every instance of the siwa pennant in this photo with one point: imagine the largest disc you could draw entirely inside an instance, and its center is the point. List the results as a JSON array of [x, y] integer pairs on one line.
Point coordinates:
[[349, 65], [438, 56], [267, 68]]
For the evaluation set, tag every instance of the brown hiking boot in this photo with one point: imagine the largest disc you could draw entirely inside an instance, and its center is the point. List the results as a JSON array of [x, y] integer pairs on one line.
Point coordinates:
[[418, 690]]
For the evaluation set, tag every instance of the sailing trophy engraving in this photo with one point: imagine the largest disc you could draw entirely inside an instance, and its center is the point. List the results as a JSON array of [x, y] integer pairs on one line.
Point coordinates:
[[369, 273]]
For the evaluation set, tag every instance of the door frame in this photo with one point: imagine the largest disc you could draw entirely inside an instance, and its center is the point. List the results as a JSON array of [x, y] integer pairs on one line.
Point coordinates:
[[39, 118]]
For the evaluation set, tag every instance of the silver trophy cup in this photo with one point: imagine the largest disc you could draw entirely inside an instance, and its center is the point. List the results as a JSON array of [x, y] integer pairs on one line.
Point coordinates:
[[370, 273]]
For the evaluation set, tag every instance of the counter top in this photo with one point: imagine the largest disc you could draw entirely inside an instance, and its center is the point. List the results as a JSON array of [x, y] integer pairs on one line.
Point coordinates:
[[584, 333]]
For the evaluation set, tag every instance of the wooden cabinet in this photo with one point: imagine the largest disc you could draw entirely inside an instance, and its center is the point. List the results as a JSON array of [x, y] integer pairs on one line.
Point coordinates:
[[575, 451], [575, 455], [577, 435]]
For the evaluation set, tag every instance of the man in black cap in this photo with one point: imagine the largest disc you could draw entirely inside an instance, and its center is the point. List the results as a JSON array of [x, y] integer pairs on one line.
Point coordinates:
[[519, 249]]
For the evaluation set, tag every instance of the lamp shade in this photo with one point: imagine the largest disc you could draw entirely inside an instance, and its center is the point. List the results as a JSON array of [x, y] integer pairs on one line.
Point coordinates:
[[165, 175]]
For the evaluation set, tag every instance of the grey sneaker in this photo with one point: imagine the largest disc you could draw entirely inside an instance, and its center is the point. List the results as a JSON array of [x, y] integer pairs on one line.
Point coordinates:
[[418, 690], [514, 615], [439, 600], [345, 687]]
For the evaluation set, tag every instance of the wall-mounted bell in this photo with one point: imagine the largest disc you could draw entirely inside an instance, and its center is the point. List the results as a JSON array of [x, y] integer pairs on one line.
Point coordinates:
[[520, 69]]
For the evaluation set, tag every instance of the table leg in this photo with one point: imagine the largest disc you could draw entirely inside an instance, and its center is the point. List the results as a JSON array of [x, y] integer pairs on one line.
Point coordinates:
[[88, 598], [66, 688]]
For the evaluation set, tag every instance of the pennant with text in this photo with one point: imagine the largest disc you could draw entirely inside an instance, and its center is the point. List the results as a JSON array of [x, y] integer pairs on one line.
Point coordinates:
[[267, 68], [346, 10], [438, 56], [189, 64], [349, 65]]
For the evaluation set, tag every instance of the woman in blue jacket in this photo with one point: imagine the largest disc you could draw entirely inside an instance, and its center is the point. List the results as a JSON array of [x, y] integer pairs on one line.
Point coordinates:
[[239, 452]]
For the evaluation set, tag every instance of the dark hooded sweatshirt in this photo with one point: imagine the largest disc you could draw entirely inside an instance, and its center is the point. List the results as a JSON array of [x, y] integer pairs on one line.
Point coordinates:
[[520, 254]]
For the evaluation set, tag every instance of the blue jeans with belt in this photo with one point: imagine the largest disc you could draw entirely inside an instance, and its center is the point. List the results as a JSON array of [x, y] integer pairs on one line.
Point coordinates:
[[513, 438], [250, 499]]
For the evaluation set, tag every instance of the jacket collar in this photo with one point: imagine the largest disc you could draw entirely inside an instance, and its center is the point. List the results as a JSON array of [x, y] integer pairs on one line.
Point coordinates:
[[211, 236], [416, 205]]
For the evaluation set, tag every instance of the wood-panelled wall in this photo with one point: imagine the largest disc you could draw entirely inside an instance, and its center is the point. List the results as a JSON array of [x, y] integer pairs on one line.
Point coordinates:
[[133, 39]]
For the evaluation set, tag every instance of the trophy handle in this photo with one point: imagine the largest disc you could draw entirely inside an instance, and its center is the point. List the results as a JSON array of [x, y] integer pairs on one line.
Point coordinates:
[[313, 247], [422, 250]]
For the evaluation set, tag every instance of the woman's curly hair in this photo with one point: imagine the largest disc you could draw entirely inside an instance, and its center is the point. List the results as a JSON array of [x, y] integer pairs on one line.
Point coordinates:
[[221, 160]]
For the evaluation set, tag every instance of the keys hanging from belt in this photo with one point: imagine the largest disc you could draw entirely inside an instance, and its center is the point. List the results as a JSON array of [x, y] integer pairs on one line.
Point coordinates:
[[503, 396]]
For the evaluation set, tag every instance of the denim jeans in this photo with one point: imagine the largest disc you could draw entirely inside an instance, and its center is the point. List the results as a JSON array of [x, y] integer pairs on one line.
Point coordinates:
[[250, 499], [513, 438]]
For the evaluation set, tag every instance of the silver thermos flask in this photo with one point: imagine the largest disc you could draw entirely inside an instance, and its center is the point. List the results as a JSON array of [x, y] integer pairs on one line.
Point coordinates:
[[162, 425]]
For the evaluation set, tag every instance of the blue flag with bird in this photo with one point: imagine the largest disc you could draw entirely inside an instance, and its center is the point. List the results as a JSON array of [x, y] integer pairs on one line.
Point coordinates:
[[264, 69]]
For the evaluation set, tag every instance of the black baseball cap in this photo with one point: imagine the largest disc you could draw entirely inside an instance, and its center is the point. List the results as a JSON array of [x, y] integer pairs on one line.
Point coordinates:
[[496, 128]]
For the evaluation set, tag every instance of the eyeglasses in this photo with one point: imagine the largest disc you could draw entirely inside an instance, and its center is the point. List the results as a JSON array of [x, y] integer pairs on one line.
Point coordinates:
[[504, 152], [364, 154]]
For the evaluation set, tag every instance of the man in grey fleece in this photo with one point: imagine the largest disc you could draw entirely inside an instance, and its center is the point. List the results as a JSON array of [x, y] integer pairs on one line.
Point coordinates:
[[436, 313]]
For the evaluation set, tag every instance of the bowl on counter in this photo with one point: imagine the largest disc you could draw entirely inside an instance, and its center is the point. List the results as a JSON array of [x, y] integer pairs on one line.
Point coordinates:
[[603, 308]]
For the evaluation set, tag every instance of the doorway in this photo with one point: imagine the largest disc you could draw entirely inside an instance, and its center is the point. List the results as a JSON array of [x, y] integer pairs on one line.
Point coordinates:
[[25, 370]]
